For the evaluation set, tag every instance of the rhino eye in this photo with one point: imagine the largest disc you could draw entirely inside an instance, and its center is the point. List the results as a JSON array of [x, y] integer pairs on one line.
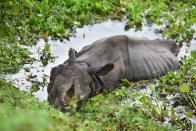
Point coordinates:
[[71, 91]]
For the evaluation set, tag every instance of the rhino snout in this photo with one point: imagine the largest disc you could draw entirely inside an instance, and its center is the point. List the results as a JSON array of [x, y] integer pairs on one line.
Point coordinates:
[[60, 102]]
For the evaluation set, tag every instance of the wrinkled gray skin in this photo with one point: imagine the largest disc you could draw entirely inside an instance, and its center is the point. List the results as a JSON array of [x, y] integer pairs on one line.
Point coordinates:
[[106, 61]]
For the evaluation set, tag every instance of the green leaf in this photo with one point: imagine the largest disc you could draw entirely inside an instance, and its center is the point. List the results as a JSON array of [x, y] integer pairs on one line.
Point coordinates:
[[174, 27], [172, 113], [152, 88], [193, 54], [177, 76], [123, 88], [194, 126], [1, 1], [185, 88], [194, 76], [190, 33], [191, 21], [170, 74], [189, 61], [166, 112], [163, 5], [190, 114], [182, 29], [136, 95], [169, 17], [143, 100], [98, 5], [154, 110], [115, 2], [35, 87], [158, 22], [111, 96]]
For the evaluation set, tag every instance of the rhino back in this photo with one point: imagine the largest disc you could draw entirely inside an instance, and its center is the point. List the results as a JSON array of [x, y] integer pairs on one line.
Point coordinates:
[[152, 58], [135, 58]]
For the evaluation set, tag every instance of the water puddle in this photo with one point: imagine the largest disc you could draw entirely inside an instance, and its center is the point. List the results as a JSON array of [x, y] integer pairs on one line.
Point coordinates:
[[154, 100], [83, 37]]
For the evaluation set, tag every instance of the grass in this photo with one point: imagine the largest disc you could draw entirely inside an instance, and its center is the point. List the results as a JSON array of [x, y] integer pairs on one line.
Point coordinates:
[[22, 111]]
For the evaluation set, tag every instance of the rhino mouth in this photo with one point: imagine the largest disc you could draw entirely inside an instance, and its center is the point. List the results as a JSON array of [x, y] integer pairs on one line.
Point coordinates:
[[66, 100]]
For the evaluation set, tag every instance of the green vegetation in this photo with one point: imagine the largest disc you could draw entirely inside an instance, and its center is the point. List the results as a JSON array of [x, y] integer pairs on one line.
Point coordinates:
[[12, 56], [21, 111], [178, 87], [176, 17], [24, 22]]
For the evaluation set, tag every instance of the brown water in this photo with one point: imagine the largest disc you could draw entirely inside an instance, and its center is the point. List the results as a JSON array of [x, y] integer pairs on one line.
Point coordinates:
[[83, 37]]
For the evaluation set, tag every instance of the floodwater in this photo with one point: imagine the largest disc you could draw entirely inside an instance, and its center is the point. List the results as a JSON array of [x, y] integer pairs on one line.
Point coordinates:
[[83, 37]]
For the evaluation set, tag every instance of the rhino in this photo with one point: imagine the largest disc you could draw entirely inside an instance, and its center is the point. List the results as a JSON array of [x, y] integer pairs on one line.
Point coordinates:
[[102, 64]]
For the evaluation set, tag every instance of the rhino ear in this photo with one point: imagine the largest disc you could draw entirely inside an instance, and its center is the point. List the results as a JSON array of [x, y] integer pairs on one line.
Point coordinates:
[[72, 56], [103, 70]]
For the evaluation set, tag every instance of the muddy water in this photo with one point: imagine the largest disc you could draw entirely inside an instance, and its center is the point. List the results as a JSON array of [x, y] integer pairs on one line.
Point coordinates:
[[83, 37]]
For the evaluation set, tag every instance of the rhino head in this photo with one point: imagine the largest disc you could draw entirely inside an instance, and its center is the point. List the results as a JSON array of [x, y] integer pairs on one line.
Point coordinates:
[[74, 82]]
